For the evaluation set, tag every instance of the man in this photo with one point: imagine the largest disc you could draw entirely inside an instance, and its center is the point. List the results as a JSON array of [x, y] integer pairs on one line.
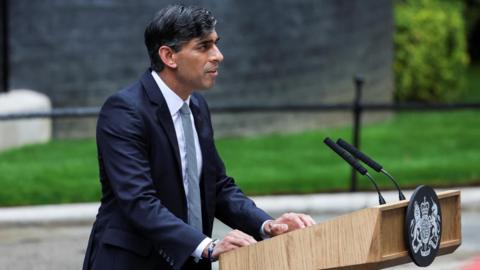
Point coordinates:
[[162, 179]]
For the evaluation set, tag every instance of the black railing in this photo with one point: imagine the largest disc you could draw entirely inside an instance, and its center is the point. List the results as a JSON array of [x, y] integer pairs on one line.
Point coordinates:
[[79, 112], [4, 45], [356, 107], [54, 113]]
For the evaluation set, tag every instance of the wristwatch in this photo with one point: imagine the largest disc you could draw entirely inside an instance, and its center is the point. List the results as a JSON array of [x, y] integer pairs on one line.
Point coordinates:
[[210, 249]]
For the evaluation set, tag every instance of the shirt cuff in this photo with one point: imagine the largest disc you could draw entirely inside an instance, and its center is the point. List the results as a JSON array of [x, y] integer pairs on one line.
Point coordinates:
[[263, 235], [200, 248]]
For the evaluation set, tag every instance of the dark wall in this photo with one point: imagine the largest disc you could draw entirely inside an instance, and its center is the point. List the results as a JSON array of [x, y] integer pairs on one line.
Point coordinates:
[[276, 52]]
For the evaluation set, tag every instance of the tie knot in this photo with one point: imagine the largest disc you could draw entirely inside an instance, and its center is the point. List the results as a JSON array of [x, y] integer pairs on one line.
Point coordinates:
[[185, 109]]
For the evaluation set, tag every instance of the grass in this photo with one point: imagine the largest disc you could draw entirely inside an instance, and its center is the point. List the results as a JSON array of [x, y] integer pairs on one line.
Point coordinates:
[[56, 172], [439, 149]]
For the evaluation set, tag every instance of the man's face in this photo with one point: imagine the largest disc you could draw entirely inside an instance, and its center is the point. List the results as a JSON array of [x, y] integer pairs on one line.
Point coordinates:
[[198, 61]]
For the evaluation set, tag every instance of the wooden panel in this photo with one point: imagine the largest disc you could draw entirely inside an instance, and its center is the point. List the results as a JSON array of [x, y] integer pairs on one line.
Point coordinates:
[[350, 236], [371, 238], [392, 233], [393, 244], [317, 247], [451, 221]]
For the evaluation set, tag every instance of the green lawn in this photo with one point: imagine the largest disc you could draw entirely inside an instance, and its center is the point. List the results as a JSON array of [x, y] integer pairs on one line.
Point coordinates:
[[435, 148], [56, 172], [439, 149]]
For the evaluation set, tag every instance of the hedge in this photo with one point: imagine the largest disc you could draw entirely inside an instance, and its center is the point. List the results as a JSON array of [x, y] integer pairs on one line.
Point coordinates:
[[430, 50]]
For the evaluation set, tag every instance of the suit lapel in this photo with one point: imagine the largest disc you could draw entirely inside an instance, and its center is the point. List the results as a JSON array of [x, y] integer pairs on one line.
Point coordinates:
[[163, 115]]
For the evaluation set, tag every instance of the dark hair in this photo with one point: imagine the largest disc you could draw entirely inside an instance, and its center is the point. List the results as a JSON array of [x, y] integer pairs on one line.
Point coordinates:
[[174, 26]]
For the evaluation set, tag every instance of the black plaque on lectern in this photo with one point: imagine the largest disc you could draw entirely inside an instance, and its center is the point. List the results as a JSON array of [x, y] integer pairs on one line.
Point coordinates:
[[423, 226]]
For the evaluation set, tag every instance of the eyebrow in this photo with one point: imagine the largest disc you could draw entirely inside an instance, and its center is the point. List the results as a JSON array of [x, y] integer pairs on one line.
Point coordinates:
[[208, 41]]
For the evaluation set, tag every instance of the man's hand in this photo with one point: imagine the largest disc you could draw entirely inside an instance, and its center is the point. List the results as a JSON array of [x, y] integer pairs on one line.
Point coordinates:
[[231, 241], [286, 223]]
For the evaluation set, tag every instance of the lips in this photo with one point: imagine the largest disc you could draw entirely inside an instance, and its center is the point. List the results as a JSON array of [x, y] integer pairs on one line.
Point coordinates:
[[213, 72], [212, 68]]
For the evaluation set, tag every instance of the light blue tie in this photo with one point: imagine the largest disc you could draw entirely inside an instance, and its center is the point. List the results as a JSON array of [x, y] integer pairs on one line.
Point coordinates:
[[193, 197]]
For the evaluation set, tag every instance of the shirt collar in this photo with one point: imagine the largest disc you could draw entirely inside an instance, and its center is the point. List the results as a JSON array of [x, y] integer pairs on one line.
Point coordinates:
[[174, 102]]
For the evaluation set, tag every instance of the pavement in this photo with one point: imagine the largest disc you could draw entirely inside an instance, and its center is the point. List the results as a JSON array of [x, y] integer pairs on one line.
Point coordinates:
[[82, 213], [55, 236]]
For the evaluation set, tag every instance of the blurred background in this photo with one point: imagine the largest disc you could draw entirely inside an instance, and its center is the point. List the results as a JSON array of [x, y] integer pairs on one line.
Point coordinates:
[[287, 82], [399, 79]]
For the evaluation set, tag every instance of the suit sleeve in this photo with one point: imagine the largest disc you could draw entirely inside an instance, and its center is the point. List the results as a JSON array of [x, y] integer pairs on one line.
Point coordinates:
[[233, 207], [122, 145]]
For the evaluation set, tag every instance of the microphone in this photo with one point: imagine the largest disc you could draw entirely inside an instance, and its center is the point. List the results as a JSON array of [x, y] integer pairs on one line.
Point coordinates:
[[355, 164], [371, 163]]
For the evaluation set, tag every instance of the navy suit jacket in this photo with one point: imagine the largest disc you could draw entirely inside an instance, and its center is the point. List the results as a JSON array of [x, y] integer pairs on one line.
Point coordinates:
[[141, 223]]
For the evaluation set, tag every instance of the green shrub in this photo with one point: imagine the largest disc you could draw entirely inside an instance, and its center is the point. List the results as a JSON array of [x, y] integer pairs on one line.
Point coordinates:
[[430, 50]]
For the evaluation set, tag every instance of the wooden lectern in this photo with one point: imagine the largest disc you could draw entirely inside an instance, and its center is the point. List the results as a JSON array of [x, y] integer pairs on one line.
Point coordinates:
[[371, 238]]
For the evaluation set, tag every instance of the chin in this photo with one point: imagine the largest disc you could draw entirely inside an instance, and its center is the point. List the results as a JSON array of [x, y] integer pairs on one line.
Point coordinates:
[[206, 86]]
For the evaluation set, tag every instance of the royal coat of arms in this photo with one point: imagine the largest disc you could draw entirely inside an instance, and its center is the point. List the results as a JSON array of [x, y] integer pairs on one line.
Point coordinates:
[[423, 225], [425, 228]]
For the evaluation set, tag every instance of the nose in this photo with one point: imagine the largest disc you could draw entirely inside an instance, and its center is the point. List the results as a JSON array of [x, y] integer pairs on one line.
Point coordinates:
[[217, 56]]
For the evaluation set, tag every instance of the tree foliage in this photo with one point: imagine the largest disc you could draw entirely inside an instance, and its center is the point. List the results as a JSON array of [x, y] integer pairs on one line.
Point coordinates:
[[430, 50]]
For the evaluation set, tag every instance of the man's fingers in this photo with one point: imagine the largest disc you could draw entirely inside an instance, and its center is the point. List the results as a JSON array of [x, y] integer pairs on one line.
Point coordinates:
[[236, 242], [241, 235], [288, 222], [277, 229], [307, 220], [231, 241], [239, 239], [297, 222], [222, 247]]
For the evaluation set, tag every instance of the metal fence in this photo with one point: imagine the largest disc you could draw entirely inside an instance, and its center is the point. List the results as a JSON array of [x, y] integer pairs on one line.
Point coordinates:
[[4, 47], [356, 107]]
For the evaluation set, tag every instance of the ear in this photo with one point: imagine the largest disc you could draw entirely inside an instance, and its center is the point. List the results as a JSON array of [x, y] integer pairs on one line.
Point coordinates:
[[168, 56]]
